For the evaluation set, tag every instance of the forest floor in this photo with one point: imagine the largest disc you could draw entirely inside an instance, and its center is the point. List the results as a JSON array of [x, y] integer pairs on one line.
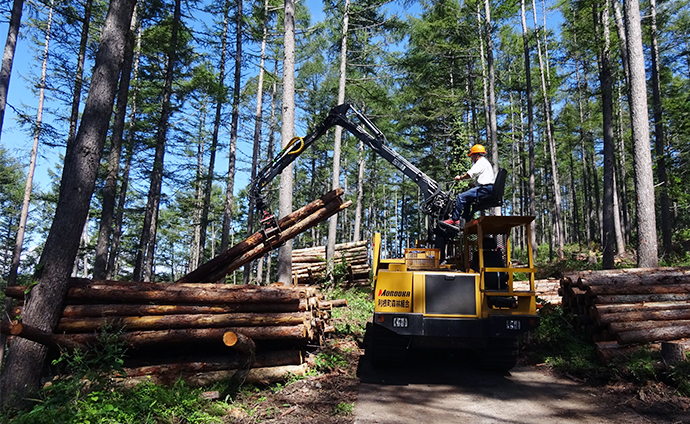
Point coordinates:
[[459, 392]]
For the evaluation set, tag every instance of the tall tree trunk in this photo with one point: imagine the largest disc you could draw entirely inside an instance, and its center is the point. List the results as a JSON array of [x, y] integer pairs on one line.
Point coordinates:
[[230, 182], [79, 73], [492, 137], [143, 269], [258, 118], [110, 188], [530, 127], [214, 138], [22, 371], [288, 109], [19, 241], [647, 249], [659, 143], [485, 83], [8, 55], [195, 248], [604, 54], [558, 221], [113, 264], [360, 192], [333, 221]]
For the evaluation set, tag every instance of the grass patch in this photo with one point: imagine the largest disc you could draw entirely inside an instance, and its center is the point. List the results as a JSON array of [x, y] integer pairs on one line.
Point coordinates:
[[351, 320], [561, 345]]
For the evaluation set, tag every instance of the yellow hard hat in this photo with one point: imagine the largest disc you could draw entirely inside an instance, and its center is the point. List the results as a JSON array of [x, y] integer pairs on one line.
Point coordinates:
[[477, 148]]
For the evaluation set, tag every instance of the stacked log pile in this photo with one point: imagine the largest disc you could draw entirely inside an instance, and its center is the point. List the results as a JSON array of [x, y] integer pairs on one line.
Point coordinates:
[[630, 307], [309, 264], [179, 330], [547, 290], [202, 332]]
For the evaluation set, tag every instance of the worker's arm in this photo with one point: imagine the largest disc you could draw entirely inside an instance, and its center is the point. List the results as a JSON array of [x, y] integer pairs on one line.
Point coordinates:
[[462, 177]]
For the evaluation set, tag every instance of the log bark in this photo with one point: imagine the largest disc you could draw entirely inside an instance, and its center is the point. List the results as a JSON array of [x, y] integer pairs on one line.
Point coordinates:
[[618, 327], [220, 261], [673, 353], [102, 310], [239, 342], [638, 289], [647, 306], [658, 315], [261, 360], [632, 298], [652, 335], [285, 235], [164, 322], [255, 375]]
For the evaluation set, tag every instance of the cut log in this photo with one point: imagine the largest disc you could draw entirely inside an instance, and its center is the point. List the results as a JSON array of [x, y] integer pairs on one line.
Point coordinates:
[[261, 360], [617, 327], [287, 234], [164, 322], [647, 306], [653, 334], [638, 289], [213, 266], [644, 315], [633, 298], [255, 375], [239, 341], [103, 310]]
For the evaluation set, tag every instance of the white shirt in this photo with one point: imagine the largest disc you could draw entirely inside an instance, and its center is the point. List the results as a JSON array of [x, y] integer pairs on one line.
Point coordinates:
[[482, 172]]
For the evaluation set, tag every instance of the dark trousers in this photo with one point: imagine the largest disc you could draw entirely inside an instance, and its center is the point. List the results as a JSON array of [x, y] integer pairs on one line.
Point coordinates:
[[466, 198]]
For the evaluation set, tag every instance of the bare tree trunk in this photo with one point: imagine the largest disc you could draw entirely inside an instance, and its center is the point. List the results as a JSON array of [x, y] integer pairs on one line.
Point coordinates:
[[143, 269], [333, 221], [257, 139], [604, 54], [22, 372], [530, 128], [288, 109], [659, 143], [492, 137], [214, 138], [230, 182], [8, 55], [195, 247], [110, 188], [360, 192], [647, 251], [552, 146]]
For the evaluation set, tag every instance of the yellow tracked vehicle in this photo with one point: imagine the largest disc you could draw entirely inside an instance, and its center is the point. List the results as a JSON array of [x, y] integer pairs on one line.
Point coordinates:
[[429, 299]]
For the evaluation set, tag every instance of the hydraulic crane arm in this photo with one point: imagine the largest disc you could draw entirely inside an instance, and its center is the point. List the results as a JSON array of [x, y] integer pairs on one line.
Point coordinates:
[[435, 200]]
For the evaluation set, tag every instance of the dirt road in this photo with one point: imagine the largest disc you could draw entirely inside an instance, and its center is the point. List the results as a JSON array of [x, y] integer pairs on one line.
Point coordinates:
[[442, 388]]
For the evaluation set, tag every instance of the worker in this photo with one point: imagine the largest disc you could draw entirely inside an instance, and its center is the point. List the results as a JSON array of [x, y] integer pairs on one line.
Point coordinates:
[[483, 175]]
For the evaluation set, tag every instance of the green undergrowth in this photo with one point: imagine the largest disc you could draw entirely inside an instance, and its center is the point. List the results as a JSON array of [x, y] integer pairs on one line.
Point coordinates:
[[560, 344], [351, 321]]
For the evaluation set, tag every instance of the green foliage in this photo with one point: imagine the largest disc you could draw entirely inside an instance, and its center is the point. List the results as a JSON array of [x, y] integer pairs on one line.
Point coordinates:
[[344, 409], [351, 321], [327, 362]]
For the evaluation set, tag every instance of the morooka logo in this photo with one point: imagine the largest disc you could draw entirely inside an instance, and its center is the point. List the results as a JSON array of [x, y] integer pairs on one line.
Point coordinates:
[[394, 293]]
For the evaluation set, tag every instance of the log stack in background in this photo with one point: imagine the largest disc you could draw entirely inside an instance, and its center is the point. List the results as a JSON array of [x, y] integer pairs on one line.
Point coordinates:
[[547, 290], [625, 308], [309, 264], [202, 332]]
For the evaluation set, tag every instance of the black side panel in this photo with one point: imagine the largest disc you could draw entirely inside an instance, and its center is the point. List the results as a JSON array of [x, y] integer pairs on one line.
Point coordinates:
[[450, 294]]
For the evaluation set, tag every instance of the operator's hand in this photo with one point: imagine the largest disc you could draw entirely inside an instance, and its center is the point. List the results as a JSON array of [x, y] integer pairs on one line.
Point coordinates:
[[458, 177]]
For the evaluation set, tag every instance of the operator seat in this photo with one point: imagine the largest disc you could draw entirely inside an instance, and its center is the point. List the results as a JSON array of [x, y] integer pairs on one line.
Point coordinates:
[[493, 200]]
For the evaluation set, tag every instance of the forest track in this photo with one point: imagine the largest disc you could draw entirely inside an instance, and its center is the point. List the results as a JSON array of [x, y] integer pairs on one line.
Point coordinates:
[[442, 387]]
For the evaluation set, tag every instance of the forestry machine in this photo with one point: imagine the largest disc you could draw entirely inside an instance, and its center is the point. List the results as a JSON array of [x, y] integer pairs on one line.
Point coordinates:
[[425, 299]]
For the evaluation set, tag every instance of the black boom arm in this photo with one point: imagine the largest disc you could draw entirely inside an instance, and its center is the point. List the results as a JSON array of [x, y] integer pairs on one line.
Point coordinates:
[[435, 200]]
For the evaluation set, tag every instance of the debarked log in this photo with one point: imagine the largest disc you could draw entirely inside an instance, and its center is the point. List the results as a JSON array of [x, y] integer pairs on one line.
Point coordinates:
[[163, 322]]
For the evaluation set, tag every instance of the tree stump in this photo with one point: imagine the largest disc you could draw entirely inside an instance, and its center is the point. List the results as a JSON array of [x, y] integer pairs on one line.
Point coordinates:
[[672, 352]]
